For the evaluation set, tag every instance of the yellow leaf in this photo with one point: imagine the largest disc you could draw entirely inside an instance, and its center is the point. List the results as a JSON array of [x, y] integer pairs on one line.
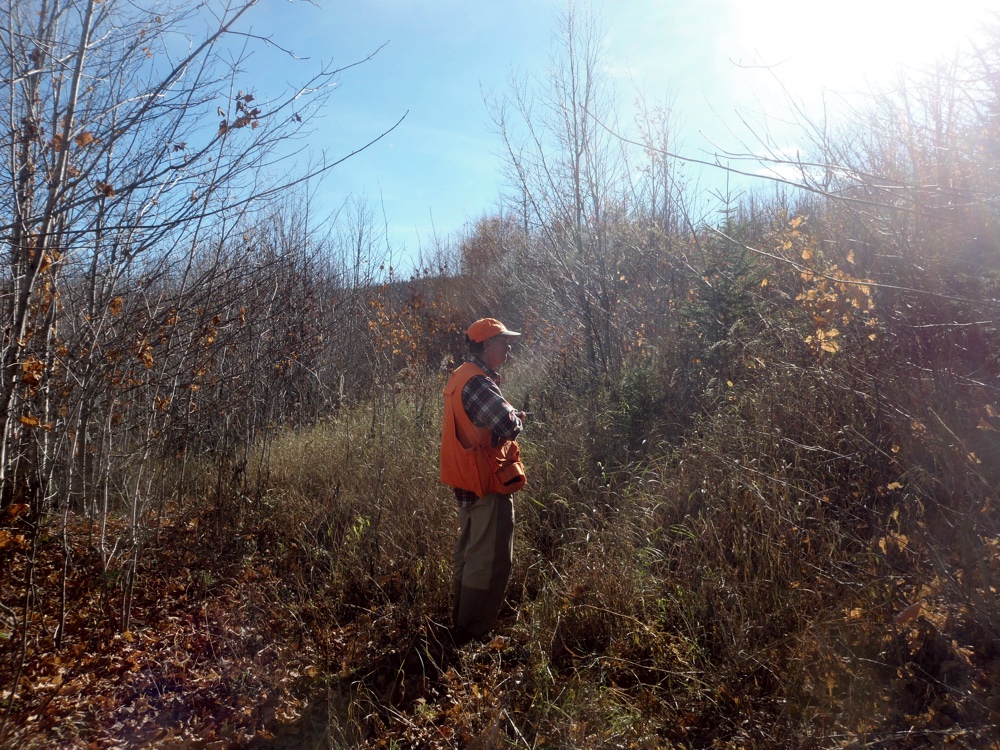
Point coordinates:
[[763, 282], [830, 346], [990, 411], [974, 458], [32, 370], [29, 421], [806, 253], [850, 257], [895, 486], [796, 222]]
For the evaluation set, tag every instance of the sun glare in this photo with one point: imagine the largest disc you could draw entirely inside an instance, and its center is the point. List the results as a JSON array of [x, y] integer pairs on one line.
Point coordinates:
[[845, 44]]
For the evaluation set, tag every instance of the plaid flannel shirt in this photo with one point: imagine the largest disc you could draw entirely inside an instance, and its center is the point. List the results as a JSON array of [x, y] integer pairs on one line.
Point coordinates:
[[486, 407]]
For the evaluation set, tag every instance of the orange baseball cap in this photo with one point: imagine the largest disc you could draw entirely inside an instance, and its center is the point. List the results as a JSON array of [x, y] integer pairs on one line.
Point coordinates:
[[487, 328]]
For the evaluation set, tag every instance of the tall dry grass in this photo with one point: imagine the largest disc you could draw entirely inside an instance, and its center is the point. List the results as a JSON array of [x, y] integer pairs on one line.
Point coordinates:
[[359, 512], [796, 550]]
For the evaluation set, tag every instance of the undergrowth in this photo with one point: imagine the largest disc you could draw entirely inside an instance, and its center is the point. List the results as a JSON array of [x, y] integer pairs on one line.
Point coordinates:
[[808, 571]]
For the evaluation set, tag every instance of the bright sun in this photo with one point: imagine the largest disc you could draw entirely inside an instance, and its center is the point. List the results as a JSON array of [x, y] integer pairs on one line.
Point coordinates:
[[841, 44]]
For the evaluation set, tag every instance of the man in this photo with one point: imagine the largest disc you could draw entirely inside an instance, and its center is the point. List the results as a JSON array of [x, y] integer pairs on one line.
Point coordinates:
[[480, 459]]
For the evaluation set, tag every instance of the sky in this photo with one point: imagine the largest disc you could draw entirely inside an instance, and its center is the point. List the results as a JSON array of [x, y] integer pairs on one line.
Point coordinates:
[[722, 64]]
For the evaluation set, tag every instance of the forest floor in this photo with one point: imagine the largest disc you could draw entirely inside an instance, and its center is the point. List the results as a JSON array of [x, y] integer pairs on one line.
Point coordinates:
[[217, 654], [209, 653]]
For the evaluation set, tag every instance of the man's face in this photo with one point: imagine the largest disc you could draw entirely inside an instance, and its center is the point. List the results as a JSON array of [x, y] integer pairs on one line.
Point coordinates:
[[495, 351]]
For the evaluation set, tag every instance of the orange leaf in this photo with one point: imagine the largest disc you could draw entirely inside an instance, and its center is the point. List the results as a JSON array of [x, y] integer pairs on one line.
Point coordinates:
[[910, 613]]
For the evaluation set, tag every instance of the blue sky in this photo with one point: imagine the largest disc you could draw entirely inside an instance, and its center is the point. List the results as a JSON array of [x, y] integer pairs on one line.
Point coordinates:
[[439, 169]]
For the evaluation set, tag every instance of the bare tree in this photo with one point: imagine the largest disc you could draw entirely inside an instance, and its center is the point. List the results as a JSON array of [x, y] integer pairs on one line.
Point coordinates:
[[598, 222], [567, 174], [133, 138], [143, 293]]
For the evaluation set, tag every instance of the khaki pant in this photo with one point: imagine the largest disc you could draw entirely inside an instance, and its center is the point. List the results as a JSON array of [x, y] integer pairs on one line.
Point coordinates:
[[483, 557]]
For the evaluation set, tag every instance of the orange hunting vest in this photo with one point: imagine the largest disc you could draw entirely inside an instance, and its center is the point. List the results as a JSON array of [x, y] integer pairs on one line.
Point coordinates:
[[469, 459]]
